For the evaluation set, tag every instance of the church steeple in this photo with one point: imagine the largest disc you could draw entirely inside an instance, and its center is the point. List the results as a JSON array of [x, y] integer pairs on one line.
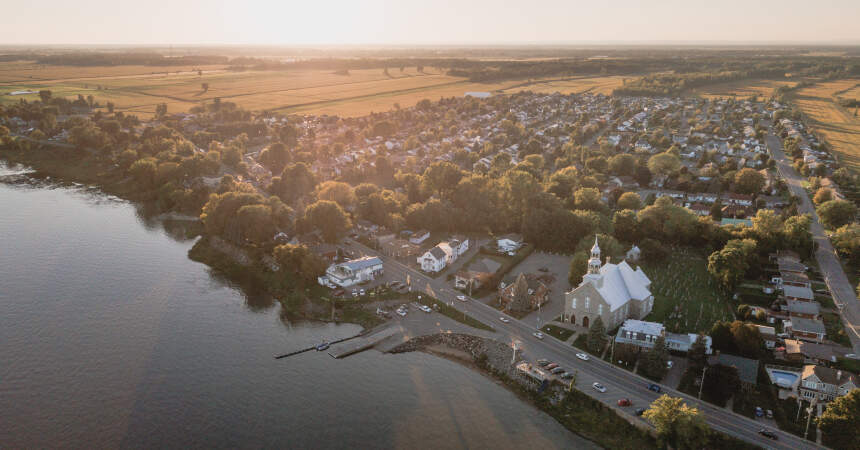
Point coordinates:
[[594, 262]]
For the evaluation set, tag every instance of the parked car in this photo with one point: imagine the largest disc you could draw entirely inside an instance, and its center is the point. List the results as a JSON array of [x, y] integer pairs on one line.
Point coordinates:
[[557, 371], [640, 411], [654, 387], [425, 308], [504, 319], [542, 362], [769, 414], [543, 269], [567, 375], [401, 312], [582, 356], [462, 298], [768, 434], [551, 366], [538, 335], [624, 402], [361, 293], [598, 387], [669, 364], [759, 412]]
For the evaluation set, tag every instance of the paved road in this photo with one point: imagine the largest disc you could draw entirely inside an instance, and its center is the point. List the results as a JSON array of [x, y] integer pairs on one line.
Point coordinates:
[[843, 292], [619, 383]]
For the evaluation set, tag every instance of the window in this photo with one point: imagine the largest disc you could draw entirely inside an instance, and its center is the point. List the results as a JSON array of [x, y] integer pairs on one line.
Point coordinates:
[[600, 309], [587, 303], [573, 303]]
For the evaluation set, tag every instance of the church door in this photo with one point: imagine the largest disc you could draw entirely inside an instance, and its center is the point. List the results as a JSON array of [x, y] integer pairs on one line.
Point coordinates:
[[573, 318], [585, 321]]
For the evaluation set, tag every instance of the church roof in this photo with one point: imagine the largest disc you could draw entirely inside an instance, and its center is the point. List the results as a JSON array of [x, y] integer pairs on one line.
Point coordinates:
[[619, 283]]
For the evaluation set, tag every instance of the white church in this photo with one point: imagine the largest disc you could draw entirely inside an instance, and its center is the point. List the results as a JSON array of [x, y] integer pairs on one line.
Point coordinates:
[[613, 292]]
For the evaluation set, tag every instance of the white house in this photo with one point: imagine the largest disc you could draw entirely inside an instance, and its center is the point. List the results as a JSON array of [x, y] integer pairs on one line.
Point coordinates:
[[825, 383], [435, 259], [352, 272], [644, 334], [419, 237], [509, 243]]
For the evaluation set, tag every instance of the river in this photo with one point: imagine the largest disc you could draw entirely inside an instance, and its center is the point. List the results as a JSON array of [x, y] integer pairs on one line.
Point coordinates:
[[111, 337]]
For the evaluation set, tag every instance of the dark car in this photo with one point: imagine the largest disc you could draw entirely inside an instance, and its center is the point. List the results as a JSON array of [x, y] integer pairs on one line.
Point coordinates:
[[640, 411], [624, 402], [768, 434], [654, 387]]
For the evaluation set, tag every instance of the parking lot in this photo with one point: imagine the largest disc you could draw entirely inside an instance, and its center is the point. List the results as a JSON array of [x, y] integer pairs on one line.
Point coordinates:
[[557, 267]]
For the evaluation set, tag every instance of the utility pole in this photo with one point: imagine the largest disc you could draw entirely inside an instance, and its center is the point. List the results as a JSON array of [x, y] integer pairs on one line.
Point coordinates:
[[809, 416], [702, 384]]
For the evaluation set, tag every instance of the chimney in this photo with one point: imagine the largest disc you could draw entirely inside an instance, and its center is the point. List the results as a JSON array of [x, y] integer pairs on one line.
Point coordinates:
[[608, 258]]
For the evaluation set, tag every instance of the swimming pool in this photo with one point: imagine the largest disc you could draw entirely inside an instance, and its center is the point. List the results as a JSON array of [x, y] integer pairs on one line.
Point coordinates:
[[783, 379]]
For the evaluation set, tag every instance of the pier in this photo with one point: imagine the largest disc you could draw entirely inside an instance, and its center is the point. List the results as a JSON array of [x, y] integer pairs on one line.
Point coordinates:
[[364, 343], [314, 347]]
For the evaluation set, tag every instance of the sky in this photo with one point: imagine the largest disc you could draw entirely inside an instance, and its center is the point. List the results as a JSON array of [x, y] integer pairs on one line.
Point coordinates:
[[417, 22]]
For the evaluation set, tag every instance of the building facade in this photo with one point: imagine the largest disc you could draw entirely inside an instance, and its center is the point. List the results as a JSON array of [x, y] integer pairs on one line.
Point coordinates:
[[350, 273]]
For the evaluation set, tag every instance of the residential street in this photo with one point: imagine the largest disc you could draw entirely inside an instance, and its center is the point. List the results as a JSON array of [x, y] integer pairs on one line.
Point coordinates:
[[843, 292], [619, 383]]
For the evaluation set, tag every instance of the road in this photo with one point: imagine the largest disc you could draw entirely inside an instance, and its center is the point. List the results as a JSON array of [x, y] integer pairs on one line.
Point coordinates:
[[618, 382], [841, 289]]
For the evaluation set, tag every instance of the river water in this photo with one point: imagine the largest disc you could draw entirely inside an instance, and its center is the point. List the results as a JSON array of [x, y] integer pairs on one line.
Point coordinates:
[[111, 337]]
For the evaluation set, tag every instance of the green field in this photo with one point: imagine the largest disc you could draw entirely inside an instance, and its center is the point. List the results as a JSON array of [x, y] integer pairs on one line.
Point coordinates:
[[686, 299]]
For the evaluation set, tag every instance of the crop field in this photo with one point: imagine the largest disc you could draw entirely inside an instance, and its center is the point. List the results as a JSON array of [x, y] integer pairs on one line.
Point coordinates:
[[741, 88], [838, 125], [594, 85], [686, 299]]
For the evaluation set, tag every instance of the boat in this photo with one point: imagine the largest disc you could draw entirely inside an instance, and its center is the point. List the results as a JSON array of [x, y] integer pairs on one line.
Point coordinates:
[[323, 346]]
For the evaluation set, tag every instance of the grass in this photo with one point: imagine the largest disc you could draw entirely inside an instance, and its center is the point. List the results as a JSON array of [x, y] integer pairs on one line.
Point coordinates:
[[686, 299], [453, 313], [741, 88], [557, 332], [835, 330], [837, 125]]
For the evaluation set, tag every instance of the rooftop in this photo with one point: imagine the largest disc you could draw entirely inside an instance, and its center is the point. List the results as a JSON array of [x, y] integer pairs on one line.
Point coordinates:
[[747, 368]]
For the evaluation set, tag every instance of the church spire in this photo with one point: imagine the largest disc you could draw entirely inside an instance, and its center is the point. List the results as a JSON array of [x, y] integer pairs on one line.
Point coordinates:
[[594, 262]]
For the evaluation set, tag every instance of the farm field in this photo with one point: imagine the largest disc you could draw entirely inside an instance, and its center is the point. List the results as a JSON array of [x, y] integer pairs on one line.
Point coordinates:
[[832, 122], [594, 85], [741, 88], [686, 299]]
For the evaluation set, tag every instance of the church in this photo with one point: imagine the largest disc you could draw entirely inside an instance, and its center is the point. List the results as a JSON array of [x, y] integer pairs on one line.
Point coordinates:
[[613, 292]]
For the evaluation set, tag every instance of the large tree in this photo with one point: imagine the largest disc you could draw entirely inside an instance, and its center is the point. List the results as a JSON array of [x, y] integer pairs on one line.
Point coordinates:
[[578, 268], [720, 383], [296, 181], [664, 164], [629, 200], [747, 339], [255, 223], [275, 157], [822, 195], [329, 218], [654, 364], [596, 338], [840, 422], [729, 265], [678, 425], [697, 354], [442, 177], [299, 260], [749, 181], [836, 213], [338, 192]]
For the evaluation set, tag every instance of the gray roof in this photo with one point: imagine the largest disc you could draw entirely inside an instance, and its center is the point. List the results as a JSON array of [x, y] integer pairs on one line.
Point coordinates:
[[437, 253], [808, 325], [747, 368], [362, 263], [797, 292], [799, 307]]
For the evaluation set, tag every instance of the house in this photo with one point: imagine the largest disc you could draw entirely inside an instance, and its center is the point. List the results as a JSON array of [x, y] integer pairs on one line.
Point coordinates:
[[613, 292], [435, 259], [459, 245], [768, 335], [806, 329], [740, 199], [400, 248], [419, 237], [808, 352], [366, 226], [792, 279], [803, 294], [806, 310], [509, 243], [352, 272], [525, 294], [747, 368], [825, 384], [467, 279], [644, 334]]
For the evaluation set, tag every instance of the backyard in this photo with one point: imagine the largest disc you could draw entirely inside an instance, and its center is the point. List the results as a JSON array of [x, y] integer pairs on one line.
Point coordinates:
[[686, 299]]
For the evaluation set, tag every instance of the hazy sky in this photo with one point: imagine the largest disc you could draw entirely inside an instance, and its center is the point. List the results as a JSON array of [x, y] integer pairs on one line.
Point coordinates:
[[426, 21]]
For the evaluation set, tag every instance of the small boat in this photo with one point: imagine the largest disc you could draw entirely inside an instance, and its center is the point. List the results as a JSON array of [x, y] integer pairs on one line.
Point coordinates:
[[323, 346]]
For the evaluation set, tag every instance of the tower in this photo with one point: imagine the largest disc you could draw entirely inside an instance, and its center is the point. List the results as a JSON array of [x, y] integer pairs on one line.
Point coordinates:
[[594, 262]]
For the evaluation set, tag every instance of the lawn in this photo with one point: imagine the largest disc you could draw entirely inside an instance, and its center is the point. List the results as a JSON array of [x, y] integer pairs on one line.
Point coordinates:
[[559, 333], [835, 330], [686, 299]]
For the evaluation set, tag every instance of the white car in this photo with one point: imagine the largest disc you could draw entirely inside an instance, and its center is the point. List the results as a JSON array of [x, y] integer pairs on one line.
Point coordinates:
[[425, 308], [462, 298], [669, 364], [401, 312], [582, 356], [598, 387], [538, 335], [504, 319]]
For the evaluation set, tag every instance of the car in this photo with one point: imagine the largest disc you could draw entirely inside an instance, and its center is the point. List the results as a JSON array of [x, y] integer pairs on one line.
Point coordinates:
[[339, 293], [504, 319], [669, 364], [543, 269], [654, 387], [542, 362], [769, 414], [462, 298], [538, 335], [852, 356], [624, 402], [361, 293], [401, 312], [759, 412], [557, 371], [582, 356], [394, 284], [566, 375], [354, 293], [551, 366], [598, 387], [425, 308], [640, 411], [768, 434]]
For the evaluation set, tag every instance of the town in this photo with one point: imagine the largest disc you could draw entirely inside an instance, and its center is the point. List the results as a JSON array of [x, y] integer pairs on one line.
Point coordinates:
[[621, 246]]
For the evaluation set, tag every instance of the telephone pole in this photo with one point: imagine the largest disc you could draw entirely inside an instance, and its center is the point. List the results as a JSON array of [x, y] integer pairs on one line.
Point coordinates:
[[702, 384]]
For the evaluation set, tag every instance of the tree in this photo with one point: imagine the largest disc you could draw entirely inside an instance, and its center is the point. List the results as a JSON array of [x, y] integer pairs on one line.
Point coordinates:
[[766, 224], [299, 260], [721, 337], [521, 301], [654, 364], [664, 164], [697, 354], [836, 213], [596, 338], [629, 200], [275, 157], [329, 218], [578, 268], [255, 223], [110, 107], [596, 164], [720, 384], [840, 422], [729, 265], [678, 425], [296, 181], [442, 177], [588, 198], [797, 235], [622, 164], [143, 171], [45, 95], [338, 192], [747, 339], [749, 181], [822, 195], [161, 110], [846, 240], [625, 227]]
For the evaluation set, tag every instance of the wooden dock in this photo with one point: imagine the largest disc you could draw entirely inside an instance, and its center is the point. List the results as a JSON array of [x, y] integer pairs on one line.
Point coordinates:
[[314, 347], [363, 343]]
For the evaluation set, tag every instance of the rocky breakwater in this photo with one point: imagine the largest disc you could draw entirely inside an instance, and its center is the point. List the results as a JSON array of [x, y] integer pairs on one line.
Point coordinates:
[[489, 352]]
